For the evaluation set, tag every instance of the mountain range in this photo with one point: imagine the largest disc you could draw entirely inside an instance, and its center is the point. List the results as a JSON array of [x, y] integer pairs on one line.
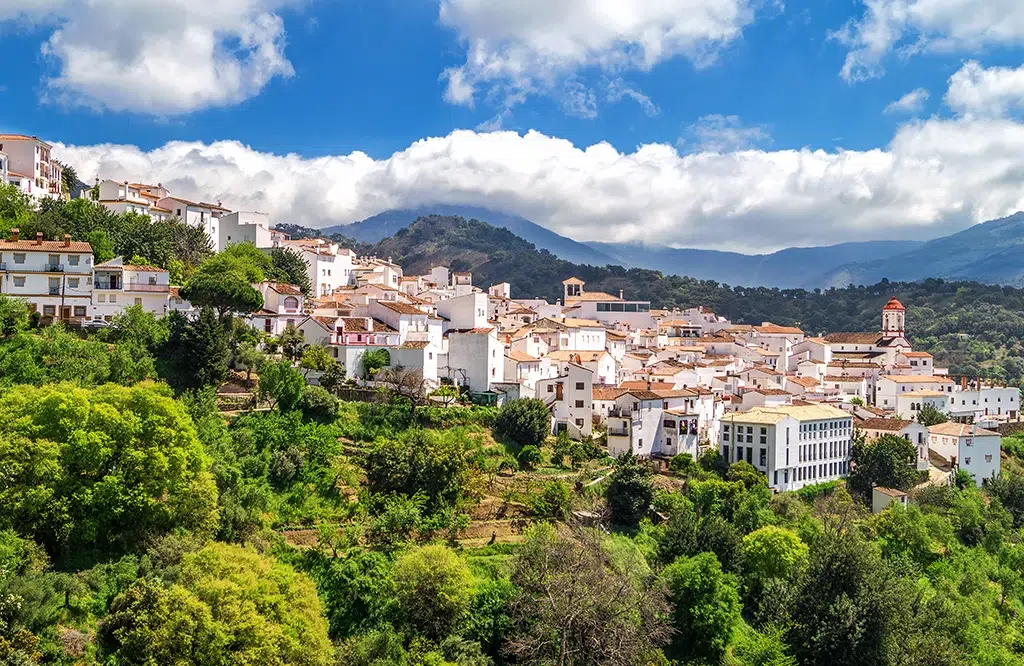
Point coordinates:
[[991, 252]]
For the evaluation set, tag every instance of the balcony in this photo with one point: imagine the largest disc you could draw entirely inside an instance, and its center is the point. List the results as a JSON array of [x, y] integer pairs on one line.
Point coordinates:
[[617, 432], [151, 288], [54, 268], [54, 291]]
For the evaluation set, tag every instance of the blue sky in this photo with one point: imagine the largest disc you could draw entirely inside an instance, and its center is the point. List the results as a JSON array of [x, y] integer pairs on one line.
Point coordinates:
[[740, 124]]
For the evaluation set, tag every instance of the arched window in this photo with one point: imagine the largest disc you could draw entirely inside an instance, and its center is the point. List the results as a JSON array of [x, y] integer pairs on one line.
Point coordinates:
[[291, 303]]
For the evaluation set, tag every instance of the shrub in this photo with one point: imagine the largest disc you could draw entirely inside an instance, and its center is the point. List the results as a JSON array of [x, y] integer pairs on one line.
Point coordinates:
[[529, 457], [526, 421], [318, 405], [553, 501]]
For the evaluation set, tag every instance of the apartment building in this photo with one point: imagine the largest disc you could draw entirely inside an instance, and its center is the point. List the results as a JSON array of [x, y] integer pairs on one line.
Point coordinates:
[[55, 277], [117, 285], [29, 161], [793, 445], [967, 447]]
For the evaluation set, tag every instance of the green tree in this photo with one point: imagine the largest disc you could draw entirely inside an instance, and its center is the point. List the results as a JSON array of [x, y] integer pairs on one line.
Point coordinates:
[[102, 246], [374, 361], [317, 359], [13, 315], [706, 608], [281, 385], [553, 501], [318, 405], [228, 605], [525, 422], [291, 268], [225, 292], [886, 461], [134, 324], [929, 416], [529, 457], [249, 357], [433, 590], [103, 466], [573, 607], [630, 492], [204, 349], [773, 552], [333, 378], [420, 461]]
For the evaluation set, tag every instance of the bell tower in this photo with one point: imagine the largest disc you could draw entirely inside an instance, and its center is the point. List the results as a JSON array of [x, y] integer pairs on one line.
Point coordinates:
[[894, 317]]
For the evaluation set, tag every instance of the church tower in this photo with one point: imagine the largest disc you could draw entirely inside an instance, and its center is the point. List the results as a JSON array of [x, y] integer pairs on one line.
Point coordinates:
[[894, 317]]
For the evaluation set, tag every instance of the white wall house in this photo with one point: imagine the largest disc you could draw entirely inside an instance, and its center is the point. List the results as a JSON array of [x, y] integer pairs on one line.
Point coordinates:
[[569, 395], [974, 404], [328, 265], [967, 447], [117, 285], [912, 431], [55, 277], [282, 305], [891, 386], [475, 358], [39, 174], [794, 446], [197, 214], [242, 227], [125, 197], [3, 168], [606, 308]]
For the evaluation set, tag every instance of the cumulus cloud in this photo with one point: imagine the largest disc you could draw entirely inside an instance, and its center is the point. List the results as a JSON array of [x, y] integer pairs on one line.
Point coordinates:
[[934, 177], [522, 47], [716, 133], [161, 58], [980, 91], [912, 102], [914, 26]]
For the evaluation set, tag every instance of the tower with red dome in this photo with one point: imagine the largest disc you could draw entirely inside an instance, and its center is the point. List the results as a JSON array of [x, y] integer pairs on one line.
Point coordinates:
[[894, 317]]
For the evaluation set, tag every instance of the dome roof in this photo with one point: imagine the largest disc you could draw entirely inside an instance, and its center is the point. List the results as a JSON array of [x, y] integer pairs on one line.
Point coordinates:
[[893, 304]]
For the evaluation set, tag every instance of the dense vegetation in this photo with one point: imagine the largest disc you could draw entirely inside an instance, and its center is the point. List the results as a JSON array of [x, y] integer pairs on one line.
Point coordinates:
[[974, 329]]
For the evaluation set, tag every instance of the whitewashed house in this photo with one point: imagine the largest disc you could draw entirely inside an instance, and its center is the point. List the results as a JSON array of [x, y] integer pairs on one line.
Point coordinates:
[[117, 285], [282, 305], [912, 431], [29, 159], [967, 447], [793, 446], [55, 277], [569, 396]]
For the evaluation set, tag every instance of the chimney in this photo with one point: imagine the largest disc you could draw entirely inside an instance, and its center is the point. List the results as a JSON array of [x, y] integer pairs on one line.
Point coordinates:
[[67, 240], [963, 383], [39, 238], [620, 295], [14, 234]]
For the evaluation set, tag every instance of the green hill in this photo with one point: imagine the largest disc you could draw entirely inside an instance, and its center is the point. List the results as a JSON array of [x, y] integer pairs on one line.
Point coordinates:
[[975, 329]]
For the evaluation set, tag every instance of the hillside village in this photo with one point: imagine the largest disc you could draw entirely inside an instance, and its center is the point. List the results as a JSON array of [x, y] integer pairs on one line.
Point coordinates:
[[654, 382]]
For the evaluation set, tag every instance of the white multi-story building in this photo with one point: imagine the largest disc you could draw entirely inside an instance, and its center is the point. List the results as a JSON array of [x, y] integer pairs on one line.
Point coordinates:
[[795, 446], [29, 158], [282, 305], [328, 265], [55, 277], [205, 216], [3, 168], [889, 387], [117, 285], [975, 404], [967, 447], [125, 197], [912, 431], [473, 358], [570, 397], [606, 308], [243, 227]]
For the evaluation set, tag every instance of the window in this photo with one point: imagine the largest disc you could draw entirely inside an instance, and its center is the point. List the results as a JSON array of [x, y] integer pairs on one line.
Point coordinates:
[[551, 388], [113, 298], [19, 282], [138, 301], [579, 386], [54, 285], [49, 310], [967, 460], [988, 459], [763, 458], [101, 298], [73, 259], [79, 310], [579, 404], [579, 422], [19, 257]]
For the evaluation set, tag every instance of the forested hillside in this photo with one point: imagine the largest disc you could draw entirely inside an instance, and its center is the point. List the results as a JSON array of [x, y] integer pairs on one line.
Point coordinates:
[[975, 329]]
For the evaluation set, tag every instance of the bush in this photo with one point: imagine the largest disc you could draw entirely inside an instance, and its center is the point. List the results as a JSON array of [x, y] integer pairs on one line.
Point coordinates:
[[318, 405], [554, 501], [526, 422], [529, 457]]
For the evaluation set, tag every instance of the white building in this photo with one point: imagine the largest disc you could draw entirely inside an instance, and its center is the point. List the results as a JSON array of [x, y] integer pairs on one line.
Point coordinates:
[[889, 387], [242, 227], [282, 305], [569, 396], [967, 447], [606, 308], [976, 403], [909, 404], [3, 168], [912, 431], [205, 216], [475, 358], [328, 265], [125, 197], [794, 446], [117, 285], [55, 277], [39, 174]]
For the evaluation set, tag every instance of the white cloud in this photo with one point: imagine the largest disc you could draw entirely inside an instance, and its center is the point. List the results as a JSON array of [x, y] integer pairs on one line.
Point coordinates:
[[161, 58], [913, 26], [912, 102], [934, 177], [979, 91], [716, 133], [522, 47], [619, 90]]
